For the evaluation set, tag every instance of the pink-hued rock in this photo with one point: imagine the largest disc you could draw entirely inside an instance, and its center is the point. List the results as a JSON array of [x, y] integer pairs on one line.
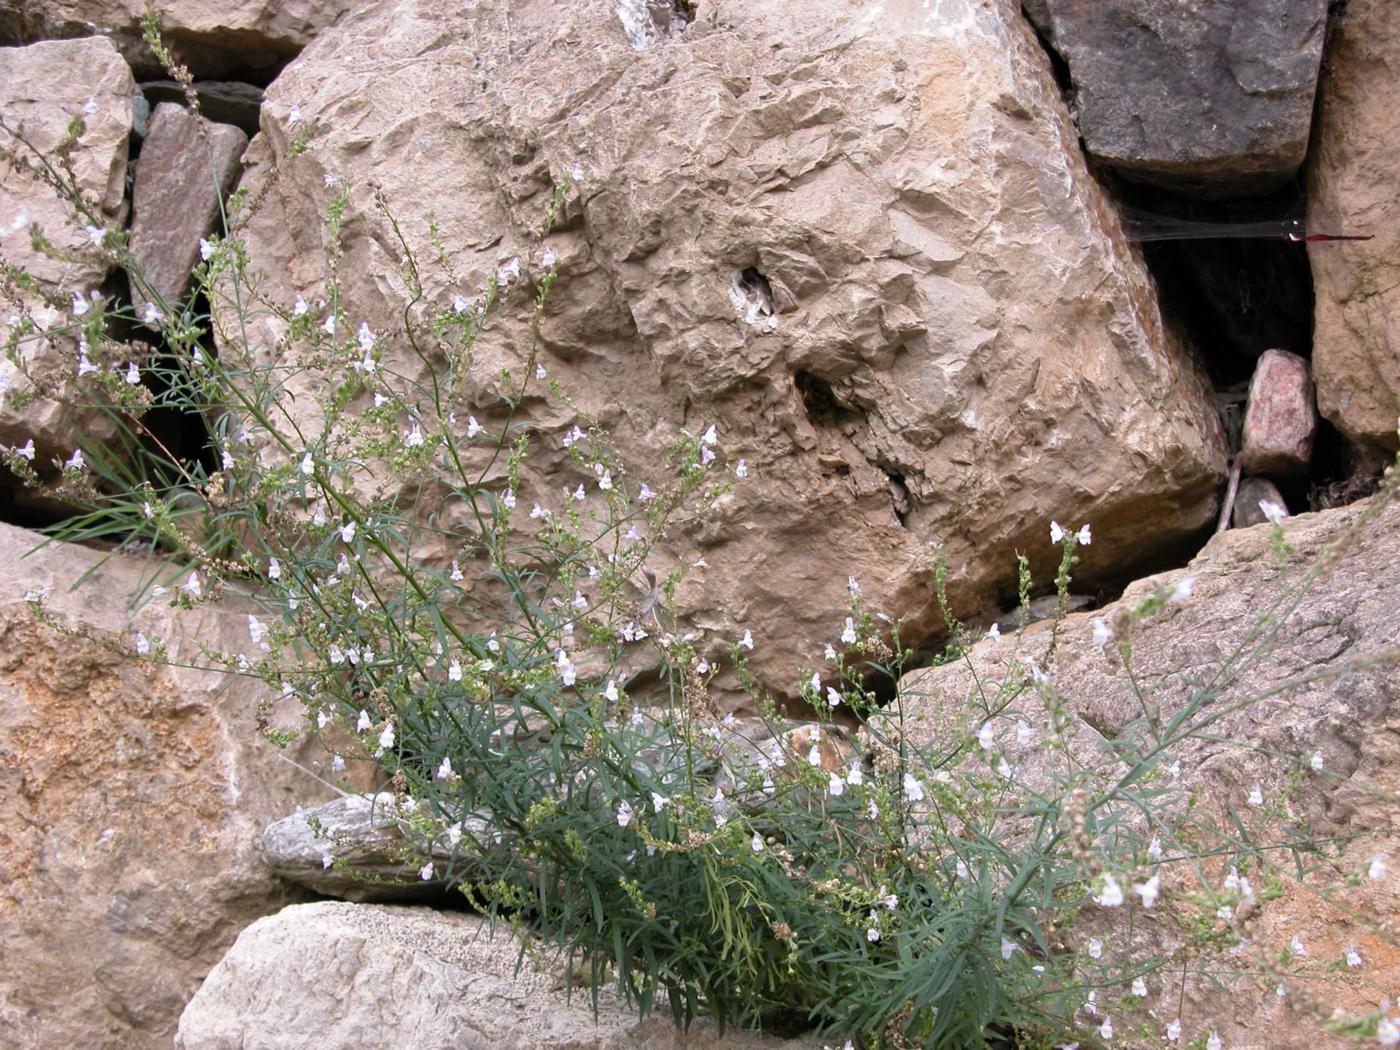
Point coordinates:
[[860, 240], [42, 88], [132, 798], [181, 177], [1280, 420], [1353, 185]]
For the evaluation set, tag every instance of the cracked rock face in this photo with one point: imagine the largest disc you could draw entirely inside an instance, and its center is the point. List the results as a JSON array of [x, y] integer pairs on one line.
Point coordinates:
[[858, 240], [42, 88], [1208, 98], [131, 800], [1352, 188], [1345, 714], [249, 37]]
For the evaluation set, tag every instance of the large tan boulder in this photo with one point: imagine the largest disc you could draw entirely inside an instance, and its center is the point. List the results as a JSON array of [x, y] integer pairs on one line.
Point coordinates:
[[132, 799], [42, 88], [1317, 760], [1352, 188], [859, 240], [378, 977], [248, 37]]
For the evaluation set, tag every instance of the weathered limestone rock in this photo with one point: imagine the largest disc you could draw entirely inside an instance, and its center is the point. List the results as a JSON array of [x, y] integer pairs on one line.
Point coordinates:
[[42, 88], [325, 848], [861, 242], [1280, 418], [374, 977], [1252, 493], [1202, 98], [1347, 720], [1353, 182], [180, 180], [131, 800], [211, 38]]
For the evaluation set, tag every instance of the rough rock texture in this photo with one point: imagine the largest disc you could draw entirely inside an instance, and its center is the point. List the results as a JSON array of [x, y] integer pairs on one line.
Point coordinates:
[[1211, 98], [375, 977], [1349, 719], [1280, 418], [359, 835], [1353, 182], [42, 87], [248, 37], [131, 800], [1253, 492], [858, 239], [181, 178]]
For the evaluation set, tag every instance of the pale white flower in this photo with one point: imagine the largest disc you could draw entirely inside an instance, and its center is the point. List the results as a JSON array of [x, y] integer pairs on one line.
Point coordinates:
[[90, 107], [307, 465], [1353, 957], [1256, 795], [710, 436], [454, 671], [835, 784], [300, 307], [1139, 987], [756, 843], [75, 461], [1377, 868], [872, 935], [1214, 1043], [568, 674], [1297, 947], [1182, 589], [540, 373], [746, 642], [1174, 1030], [508, 272], [610, 693], [444, 771], [1082, 537], [257, 630], [994, 631], [328, 326], [1149, 890], [192, 586], [152, 314], [386, 736], [1095, 948], [1315, 762], [95, 235], [578, 495], [1154, 849], [856, 776], [414, 438], [624, 813], [473, 427], [548, 258], [364, 724], [143, 644], [1106, 1029], [25, 451], [986, 737], [707, 455], [814, 756], [80, 305], [274, 569], [1111, 896], [508, 499], [1274, 512], [1103, 633], [1388, 1032], [913, 788], [829, 653], [741, 469], [659, 802], [133, 375], [848, 635], [1025, 733], [294, 114], [645, 495], [347, 532], [207, 249], [426, 872]]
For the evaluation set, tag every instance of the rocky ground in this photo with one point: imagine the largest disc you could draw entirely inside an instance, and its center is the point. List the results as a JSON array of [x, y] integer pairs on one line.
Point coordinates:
[[937, 273]]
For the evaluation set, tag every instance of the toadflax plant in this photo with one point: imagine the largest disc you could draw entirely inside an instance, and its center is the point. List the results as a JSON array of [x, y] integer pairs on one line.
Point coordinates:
[[514, 660]]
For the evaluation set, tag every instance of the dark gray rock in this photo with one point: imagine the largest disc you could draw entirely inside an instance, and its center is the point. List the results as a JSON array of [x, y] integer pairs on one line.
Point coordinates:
[[222, 101], [354, 847], [1252, 494], [1213, 99], [181, 177]]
